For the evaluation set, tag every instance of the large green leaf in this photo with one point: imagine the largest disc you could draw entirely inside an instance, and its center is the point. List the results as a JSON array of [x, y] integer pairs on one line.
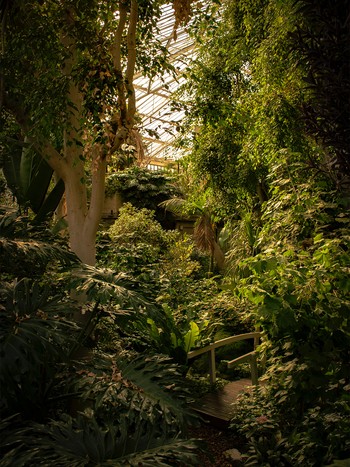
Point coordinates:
[[85, 442], [29, 176], [51, 202], [105, 285], [35, 337]]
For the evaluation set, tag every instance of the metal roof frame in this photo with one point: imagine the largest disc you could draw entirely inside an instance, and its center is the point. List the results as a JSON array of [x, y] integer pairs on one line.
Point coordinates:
[[153, 97]]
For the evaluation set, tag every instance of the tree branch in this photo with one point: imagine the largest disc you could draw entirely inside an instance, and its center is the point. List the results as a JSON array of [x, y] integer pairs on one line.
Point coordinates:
[[98, 172], [126, 92], [117, 60], [130, 69]]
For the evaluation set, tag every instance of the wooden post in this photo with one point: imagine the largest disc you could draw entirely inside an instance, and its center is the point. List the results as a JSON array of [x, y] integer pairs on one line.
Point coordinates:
[[256, 339], [212, 366], [254, 369]]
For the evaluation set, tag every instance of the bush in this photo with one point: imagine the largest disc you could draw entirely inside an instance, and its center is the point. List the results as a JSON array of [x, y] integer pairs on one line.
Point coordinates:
[[299, 285]]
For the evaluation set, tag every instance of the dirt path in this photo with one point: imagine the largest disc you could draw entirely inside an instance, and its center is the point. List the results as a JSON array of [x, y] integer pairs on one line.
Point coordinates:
[[218, 441]]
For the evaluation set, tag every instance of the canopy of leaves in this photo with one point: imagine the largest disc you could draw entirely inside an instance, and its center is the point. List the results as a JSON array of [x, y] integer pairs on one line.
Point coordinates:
[[34, 55], [242, 99]]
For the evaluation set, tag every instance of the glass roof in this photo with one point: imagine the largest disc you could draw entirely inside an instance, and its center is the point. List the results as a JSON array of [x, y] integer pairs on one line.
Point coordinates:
[[153, 96]]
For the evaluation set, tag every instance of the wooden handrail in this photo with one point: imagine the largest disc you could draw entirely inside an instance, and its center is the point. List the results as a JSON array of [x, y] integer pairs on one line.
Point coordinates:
[[251, 358], [226, 341], [210, 349]]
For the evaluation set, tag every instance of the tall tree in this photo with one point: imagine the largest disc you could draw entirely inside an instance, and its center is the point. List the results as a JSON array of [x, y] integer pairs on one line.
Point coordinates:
[[243, 99], [67, 87]]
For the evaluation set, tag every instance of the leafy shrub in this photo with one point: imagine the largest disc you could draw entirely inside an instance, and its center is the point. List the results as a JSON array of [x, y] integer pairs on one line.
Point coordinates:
[[136, 240], [299, 285], [137, 225], [144, 188], [132, 408]]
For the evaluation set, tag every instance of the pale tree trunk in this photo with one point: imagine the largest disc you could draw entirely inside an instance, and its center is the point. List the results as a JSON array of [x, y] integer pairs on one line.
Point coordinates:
[[83, 222], [219, 256], [83, 215]]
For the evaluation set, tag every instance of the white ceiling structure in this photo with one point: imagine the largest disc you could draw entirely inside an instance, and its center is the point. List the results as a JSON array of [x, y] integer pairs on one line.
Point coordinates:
[[153, 96]]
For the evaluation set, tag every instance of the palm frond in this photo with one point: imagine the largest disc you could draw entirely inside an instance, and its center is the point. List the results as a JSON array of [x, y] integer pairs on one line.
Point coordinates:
[[204, 234], [175, 205]]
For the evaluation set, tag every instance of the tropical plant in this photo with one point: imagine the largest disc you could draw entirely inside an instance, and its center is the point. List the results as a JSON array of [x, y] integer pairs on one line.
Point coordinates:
[[28, 176], [67, 84], [142, 188], [299, 287], [129, 405], [36, 336], [73, 442], [134, 242], [205, 229], [27, 249]]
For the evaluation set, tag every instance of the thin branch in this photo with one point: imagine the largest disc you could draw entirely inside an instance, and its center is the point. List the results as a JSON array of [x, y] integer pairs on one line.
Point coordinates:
[[130, 70], [117, 59]]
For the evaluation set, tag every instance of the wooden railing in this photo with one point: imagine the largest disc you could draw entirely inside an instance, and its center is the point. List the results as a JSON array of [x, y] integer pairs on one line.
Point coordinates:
[[248, 357]]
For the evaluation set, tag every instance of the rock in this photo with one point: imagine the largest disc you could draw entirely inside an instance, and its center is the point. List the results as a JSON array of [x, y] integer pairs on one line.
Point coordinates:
[[233, 456]]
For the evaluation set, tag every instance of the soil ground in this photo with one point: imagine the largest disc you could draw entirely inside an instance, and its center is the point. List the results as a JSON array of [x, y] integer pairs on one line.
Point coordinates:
[[218, 441]]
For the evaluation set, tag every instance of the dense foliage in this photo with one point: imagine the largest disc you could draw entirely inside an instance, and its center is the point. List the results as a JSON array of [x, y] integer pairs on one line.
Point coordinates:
[[299, 283], [266, 131], [188, 308], [266, 127], [142, 187], [66, 398]]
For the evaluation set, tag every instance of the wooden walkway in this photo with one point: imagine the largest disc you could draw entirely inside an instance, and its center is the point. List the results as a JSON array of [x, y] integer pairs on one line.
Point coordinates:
[[216, 407]]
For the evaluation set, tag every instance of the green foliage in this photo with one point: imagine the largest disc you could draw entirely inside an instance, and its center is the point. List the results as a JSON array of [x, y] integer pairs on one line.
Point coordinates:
[[132, 408], [36, 336], [268, 66], [27, 249], [83, 442], [299, 287], [134, 241], [274, 438], [28, 176], [168, 272], [104, 286], [242, 99], [142, 188], [322, 41], [33, 61], [137, 225]]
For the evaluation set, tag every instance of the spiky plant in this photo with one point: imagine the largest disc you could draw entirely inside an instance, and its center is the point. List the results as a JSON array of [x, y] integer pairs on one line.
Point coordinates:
[[204, 227]]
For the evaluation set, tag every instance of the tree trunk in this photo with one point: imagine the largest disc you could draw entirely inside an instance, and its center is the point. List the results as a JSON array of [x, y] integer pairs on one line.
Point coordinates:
[[219, 256]]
